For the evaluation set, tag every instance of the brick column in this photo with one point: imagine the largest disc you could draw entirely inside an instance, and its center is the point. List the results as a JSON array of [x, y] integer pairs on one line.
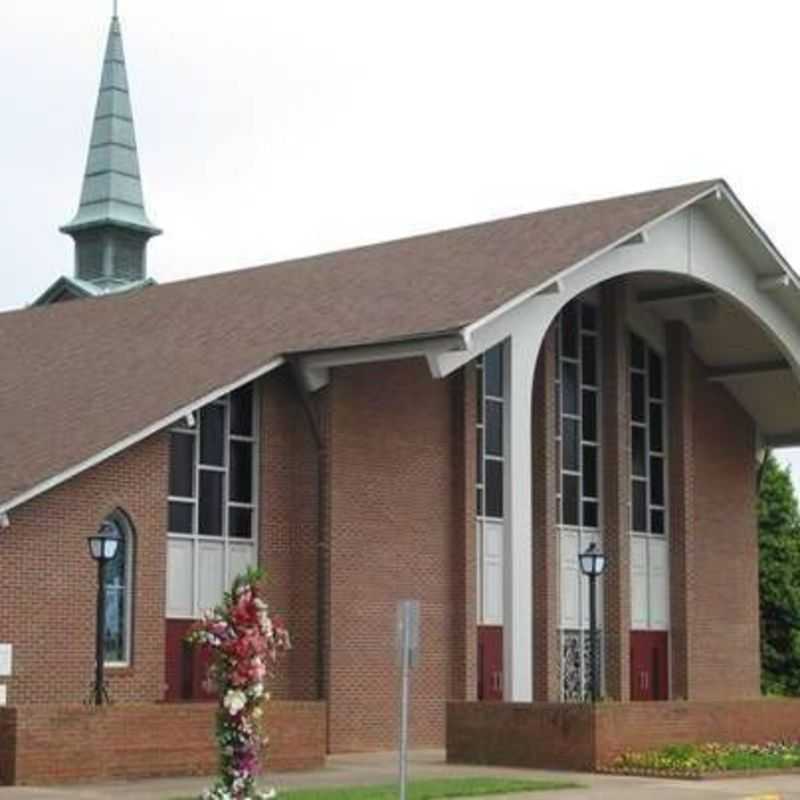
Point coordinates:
[[616, 489], [545, 535], [680, 471], [464, 635]]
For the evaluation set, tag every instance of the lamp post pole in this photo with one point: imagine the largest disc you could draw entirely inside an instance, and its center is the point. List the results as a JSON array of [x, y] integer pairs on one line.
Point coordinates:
[[593, 636], [102, 548], [593, 564], [99, 649]]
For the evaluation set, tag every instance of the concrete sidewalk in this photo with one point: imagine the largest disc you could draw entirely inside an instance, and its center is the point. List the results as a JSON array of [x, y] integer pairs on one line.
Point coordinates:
[[375, 768]]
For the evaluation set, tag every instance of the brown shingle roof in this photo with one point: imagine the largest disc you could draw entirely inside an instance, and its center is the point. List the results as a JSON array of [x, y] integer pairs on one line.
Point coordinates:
[[77, 378]]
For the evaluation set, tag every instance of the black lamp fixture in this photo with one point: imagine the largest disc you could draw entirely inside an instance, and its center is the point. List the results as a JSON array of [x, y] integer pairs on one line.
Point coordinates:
[[593, 564], [102, 548]]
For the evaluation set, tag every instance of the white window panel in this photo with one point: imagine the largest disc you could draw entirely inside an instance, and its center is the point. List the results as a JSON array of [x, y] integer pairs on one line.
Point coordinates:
[[180, 568], [639, 600], [570, 580], [202, 567], [492, 588], [241, 557], [659, 585], [210, 574]]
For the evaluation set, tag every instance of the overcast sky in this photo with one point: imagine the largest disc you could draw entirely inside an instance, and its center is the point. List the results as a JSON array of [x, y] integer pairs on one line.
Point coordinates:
[[270, 129]]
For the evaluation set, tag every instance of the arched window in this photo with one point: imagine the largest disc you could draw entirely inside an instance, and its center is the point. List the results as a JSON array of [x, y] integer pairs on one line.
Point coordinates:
[[118, 580]]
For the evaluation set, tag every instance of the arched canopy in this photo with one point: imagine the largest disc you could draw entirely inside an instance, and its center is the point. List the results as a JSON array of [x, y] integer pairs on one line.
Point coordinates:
[[709, 266]]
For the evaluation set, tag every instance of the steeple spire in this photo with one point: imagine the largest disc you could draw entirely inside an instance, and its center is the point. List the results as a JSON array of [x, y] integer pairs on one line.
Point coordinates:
[[111, 228]]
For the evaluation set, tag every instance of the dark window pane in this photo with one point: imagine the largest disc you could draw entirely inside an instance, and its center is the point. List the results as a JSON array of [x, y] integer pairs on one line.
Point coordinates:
[[656, 521], [638, 452], [589, 360], [212, 433], [242, 411], [569, 385], [590, 513], [589, 471], [569, 331], [657, 481], [210, 503], [479, 503], [571, 444], [241, 472], [479, 456], [479, 397], [570, 500], [590, 416], [180, 517], [640, 506], [656, 383], [493, 367], [181, 465], [637, 352], [588, 317], [240, 523], [656, 428], [494, 428], [637, 396], [494, 488]]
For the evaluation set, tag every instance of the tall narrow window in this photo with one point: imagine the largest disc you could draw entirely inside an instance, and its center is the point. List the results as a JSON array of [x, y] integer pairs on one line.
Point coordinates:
[[578, 481], [117, 577], [212, 502], [648, 520], [490, 467]]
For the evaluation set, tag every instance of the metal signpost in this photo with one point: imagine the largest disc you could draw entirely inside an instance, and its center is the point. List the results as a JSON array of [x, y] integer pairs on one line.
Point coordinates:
[[408, 656]]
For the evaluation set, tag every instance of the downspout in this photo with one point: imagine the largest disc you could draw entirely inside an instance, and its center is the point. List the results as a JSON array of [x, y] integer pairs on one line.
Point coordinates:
[[322, 545]]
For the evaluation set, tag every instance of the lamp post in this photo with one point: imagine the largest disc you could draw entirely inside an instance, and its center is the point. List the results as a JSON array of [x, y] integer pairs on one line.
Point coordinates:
[[593, 564], [102, 548]]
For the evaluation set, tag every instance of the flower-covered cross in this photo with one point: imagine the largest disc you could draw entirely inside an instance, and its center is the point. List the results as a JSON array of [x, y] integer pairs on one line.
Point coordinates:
[[243, 641]]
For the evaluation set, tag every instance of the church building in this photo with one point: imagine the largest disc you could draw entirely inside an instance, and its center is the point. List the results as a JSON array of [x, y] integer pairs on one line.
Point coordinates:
[[453, 418]]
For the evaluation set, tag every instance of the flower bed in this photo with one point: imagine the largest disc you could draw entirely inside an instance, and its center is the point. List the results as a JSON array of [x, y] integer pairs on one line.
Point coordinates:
[[696, 761]]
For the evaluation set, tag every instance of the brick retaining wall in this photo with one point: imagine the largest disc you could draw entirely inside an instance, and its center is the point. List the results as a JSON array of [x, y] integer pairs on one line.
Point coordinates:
[[577, 736], [49, 744]]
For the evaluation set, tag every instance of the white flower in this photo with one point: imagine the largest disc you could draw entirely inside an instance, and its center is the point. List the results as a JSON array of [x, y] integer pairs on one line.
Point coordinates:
[[235, 701]]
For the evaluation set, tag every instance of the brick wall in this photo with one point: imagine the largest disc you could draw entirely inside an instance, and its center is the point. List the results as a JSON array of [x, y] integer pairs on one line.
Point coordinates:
[[289, 529], [724, 657], [46, 744], [49, 582], [392, 537], [580, 736], [540, 735]]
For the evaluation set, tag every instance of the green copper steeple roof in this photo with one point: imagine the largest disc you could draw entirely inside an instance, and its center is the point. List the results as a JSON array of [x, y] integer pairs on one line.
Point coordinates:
[[112, 185]]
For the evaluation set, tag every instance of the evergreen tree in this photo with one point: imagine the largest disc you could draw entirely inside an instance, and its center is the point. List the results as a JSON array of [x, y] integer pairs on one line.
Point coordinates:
[[779, 541]]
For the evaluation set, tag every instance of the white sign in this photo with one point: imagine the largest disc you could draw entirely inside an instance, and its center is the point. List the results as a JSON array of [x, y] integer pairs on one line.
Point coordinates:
[[407, 631], [3, 695], [5, 660]]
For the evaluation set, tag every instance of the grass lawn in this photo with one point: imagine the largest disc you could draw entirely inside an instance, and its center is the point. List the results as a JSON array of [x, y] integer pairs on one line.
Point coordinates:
[[698, 759], [429, 789]]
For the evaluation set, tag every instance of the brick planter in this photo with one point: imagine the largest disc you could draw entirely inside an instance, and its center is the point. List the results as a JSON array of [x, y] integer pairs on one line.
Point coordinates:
[[578, 736], [49, 744]]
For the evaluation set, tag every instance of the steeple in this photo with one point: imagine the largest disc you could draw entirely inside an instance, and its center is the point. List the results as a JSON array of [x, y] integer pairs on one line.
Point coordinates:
[[111, 228]]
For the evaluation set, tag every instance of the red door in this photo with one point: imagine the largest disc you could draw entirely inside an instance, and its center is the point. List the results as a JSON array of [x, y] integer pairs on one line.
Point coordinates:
[[490, 663], [185, 666], [649, 665]]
